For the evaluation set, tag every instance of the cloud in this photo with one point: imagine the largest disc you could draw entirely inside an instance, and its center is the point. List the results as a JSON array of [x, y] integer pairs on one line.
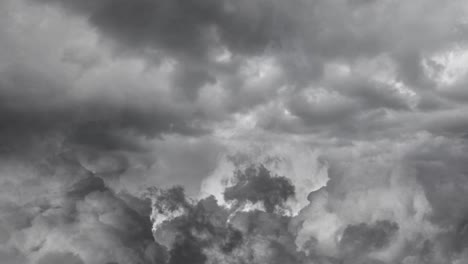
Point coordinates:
[[71, 216], [52, 258], [352, 110], [182, 27], [289, 34], [257, 185], [362, 238], [99, 124], [370, 182], [244, 53]]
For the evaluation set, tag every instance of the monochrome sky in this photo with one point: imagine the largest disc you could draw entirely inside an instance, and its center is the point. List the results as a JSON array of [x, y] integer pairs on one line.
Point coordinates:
[[300, 131]]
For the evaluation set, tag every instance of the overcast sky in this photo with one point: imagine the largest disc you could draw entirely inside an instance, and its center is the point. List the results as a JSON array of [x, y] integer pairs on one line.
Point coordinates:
[[302, 131]]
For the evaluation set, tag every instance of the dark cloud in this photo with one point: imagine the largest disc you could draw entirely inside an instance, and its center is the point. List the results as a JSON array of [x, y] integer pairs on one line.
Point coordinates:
[[36, 107], [86, 186], [191, 32], [183, 27], [441, 170], [375, 95], [362, 238], [194, 227], [189, 81], [256, 184], [81, 216], [358, 103], [206, 232], [312, 34]]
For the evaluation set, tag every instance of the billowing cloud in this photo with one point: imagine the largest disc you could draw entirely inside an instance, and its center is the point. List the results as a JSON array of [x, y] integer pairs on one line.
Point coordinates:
[[312, 131], [257, 185]]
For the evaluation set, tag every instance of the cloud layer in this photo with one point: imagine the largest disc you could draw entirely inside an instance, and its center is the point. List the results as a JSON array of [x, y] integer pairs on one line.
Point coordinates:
[[312, 131]]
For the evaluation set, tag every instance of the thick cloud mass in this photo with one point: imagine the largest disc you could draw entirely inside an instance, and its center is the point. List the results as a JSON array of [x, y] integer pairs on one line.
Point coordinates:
[[358, 239], [301, 131], [257, 185]]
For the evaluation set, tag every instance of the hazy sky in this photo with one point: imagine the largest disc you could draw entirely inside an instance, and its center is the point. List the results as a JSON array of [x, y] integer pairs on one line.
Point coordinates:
[[360, 105]]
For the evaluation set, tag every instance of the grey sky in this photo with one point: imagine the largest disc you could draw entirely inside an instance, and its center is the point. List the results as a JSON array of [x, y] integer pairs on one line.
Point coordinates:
[[361, 104]]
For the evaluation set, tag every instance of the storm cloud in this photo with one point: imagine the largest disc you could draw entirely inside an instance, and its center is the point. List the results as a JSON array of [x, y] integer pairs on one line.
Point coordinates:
[[223, 131]]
